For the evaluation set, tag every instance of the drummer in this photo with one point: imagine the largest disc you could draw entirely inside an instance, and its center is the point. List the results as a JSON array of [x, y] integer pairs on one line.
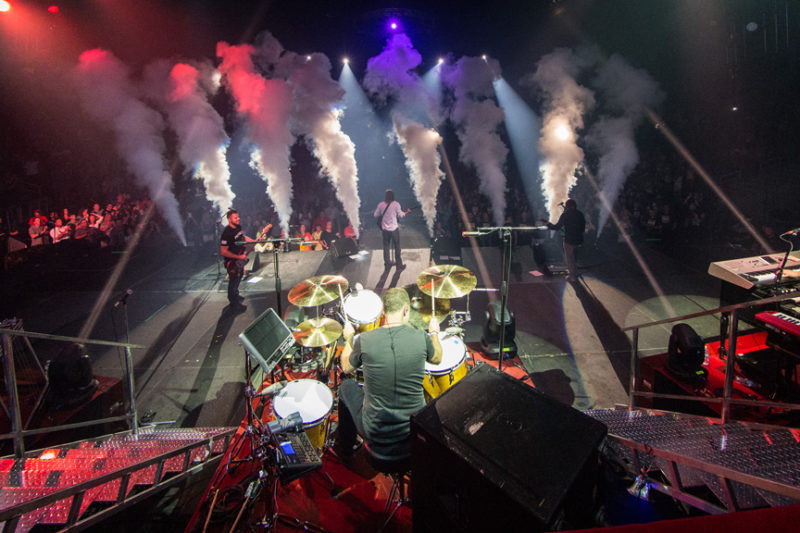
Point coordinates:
[[393, 358]]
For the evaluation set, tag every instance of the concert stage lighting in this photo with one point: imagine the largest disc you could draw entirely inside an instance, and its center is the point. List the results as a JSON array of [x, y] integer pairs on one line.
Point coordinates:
[[52, 9], [490, 341], [441, 60], [346, 60], [483, 57], [4, 6], [562, 132], [686, 353]]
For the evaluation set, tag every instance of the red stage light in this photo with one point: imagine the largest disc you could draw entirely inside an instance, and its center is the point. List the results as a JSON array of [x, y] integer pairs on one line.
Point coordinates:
[[53, 9], [4, 6]]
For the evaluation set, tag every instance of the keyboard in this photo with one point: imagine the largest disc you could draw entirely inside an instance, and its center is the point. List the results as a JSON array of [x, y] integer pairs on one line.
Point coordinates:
[[782, 321], [296, 456], [758, 271]]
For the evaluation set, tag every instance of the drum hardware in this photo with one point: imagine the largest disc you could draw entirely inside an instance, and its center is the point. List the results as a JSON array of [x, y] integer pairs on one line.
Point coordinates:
[[318, 290], [317, 332], [314, 401], [453, 366]]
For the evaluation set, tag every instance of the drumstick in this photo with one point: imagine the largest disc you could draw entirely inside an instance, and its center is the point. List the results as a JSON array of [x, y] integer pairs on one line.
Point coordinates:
[[433, 300], [341, 303]]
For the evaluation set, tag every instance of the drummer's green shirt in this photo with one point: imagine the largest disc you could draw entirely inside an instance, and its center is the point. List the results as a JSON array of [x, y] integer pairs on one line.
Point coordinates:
[[393, 360]]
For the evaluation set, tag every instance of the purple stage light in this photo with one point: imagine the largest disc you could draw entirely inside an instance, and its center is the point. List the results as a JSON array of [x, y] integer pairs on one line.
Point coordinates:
[[394, 25]]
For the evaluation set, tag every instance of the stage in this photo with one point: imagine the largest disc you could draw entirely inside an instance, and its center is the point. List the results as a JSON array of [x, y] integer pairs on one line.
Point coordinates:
[[569, 336]]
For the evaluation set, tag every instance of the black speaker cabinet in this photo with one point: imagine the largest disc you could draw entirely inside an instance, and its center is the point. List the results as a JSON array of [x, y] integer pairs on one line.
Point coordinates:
[[494, 454], [344, 247]]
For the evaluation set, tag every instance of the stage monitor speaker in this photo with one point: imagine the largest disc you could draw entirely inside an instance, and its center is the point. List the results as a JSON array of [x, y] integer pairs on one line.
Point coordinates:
[[494, 454], [447, 251], [267, 340], [342, 247]]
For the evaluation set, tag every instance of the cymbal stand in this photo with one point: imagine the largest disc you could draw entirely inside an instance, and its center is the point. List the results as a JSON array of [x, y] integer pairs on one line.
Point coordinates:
[[255, 429]]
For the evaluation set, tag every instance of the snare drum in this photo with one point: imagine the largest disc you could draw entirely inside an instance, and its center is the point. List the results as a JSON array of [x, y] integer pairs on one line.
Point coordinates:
[[363, 309], [313, 400], [439, 378]]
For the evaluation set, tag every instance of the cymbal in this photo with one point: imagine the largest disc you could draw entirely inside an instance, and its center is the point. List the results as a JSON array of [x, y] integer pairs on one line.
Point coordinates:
[[318, 290], [317, 332], [446, 281]]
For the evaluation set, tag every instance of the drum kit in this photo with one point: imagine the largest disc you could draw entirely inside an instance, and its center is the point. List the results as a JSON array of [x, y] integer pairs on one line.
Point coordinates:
[[331, 301]]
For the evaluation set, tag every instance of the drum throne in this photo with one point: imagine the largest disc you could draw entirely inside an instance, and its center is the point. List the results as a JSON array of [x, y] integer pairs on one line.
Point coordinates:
[[398, 468]]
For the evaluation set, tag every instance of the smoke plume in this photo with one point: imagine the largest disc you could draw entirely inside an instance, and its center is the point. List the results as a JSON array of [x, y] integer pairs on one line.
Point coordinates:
[[626, 92], [181, 90], [315, 96], [266, 104], [422, 161], [109, 96], [565, 103], [390, 80], [478, 118]]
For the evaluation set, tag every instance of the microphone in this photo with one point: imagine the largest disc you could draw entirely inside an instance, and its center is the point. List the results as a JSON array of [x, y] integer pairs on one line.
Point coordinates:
[[293, 422], [474, 233], [122, 300], [272, 389]]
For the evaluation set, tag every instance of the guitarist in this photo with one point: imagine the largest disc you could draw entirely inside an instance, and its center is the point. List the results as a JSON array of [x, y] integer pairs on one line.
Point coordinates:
[[234, 256], [387, 213]]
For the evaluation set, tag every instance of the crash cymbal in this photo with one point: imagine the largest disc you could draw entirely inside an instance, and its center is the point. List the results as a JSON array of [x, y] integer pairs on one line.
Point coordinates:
[[446, 281], [317, 332], [423, 307], [318, 290]]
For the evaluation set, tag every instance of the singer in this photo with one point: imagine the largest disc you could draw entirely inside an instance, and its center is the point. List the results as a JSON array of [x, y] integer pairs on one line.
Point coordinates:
[[574, 224], [388, 211]]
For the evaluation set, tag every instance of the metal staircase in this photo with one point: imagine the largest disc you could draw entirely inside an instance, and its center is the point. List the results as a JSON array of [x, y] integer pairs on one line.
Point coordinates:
[[713, 466], [80, 484]]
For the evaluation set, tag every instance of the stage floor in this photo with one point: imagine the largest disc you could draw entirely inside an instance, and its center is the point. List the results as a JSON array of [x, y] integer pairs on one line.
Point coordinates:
[[569, 336]]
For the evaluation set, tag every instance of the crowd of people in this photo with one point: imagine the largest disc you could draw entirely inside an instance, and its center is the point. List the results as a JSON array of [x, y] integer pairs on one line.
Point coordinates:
[[101, 226]]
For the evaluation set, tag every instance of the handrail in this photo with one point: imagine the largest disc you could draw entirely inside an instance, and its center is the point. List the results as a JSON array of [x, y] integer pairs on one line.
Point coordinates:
[[18, 433], [732, 336], [723, 309]]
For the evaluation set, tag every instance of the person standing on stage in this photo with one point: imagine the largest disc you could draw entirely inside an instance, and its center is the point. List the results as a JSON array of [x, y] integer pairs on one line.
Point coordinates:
[[574, 224], [393, 357], [388, 211], [235, 256]]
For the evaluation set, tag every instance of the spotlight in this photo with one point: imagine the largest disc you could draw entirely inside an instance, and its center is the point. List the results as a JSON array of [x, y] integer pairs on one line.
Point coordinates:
[[562, 132], [735, 108], [490, 341], [308, 58], [346, 60], [441, 60], [53, 9], [4, 6], [483, 57], [393, 25]]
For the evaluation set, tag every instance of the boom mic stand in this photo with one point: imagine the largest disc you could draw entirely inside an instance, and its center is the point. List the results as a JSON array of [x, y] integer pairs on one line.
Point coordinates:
[[505, 233]]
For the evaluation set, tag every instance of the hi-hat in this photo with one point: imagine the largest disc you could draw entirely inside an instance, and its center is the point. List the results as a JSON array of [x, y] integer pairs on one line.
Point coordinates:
[[446, 281], [317, 332], [318, 290]]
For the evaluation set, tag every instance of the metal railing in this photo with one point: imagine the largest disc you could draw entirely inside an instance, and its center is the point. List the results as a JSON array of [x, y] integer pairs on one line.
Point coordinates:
[[18, 432], [727, 390]]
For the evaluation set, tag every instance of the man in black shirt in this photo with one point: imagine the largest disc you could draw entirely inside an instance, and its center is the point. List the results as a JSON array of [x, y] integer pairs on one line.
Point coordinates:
[[234, 256], [393, 358], [574, 224]]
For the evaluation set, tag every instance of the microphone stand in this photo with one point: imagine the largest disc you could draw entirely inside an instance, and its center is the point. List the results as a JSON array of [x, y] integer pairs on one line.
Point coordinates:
[[275, 250], [505, 233]]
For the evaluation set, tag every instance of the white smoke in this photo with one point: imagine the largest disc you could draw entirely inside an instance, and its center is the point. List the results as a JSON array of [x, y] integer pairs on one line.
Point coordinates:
[[478, 118], [266, 104], [626, 92], [315, 96], [565, 103], [108, 94], [390, 80], [181, 90], [422, 161]]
